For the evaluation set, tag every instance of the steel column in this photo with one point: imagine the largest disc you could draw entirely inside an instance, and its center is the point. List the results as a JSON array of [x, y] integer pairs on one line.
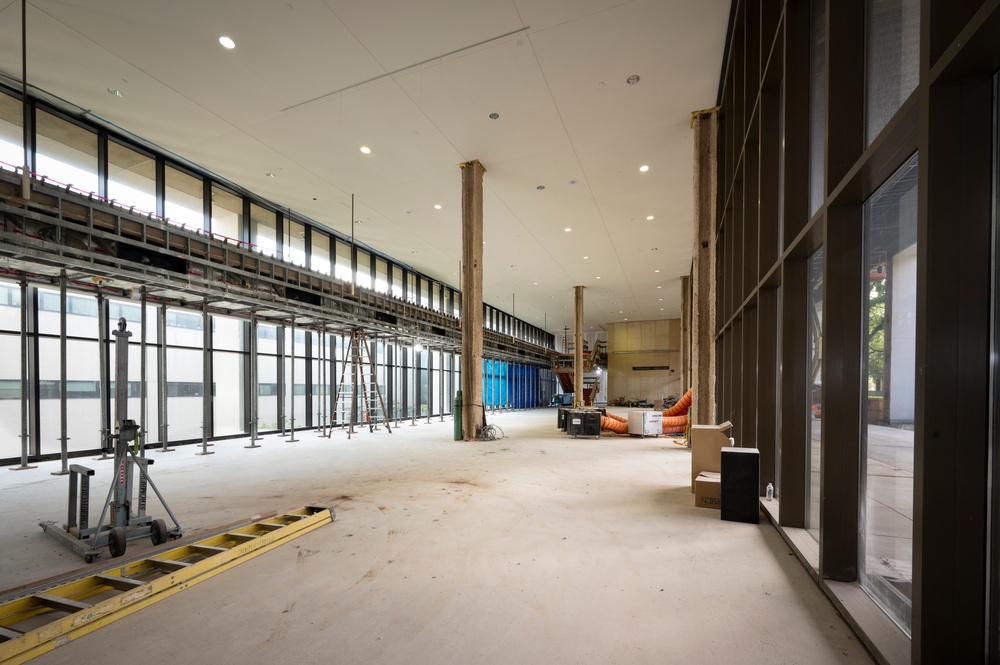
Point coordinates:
[[206, 379], [281, 379], [291, 433], [63, 438], [161, 376], [102, 354], [143, 374], [24, 379], [254, 387]]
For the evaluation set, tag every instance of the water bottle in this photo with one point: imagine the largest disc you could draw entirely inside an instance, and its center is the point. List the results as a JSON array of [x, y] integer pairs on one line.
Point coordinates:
[[770, 491]]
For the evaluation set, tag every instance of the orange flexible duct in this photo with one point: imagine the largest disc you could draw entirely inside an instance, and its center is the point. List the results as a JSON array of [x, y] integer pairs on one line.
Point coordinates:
[[675, 421], [682, 406], [675, 424], [614, 425], [621, 419]]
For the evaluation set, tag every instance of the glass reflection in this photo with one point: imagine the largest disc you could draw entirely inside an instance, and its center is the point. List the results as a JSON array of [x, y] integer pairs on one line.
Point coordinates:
[[886, 568]]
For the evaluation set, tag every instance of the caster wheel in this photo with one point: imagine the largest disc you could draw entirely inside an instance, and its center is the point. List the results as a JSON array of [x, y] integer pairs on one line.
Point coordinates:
[[116, 541], [90, 558], [158, 532]]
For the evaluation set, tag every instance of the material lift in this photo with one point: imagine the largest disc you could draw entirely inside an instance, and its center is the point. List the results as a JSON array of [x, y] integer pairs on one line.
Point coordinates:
[[123, 524]]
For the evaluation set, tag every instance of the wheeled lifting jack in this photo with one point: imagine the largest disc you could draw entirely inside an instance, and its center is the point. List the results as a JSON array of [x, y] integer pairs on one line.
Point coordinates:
[[123, 525]]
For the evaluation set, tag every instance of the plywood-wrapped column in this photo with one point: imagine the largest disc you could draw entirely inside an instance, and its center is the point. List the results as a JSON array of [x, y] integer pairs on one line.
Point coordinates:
[[578, 349], [706, 139], [473, 417]]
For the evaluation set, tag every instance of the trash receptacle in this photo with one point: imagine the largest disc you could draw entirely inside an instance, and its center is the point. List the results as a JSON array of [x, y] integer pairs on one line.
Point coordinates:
[[457, 413]]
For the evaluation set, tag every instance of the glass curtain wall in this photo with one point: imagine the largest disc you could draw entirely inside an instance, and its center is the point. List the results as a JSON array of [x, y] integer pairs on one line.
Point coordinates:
[[185, 381], [66, 152], [294, 246], [381, 275], [229, 378], [397, 281], [343, 270], [131, 178], [994, 471], [320, 258], [267, 377], [11, 133], [886, 558], [815, 388], [184, 202], [10, 372], [227, 213], [817, 107], [264, 230], [84, 392], [364, 274], [892, 62]]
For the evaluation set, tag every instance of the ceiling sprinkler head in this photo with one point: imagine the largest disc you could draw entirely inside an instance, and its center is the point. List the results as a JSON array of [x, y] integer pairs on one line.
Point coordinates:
[[632, 80]]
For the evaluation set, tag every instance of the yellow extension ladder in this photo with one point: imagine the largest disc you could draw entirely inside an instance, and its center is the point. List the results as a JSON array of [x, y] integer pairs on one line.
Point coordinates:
[[35, 621]]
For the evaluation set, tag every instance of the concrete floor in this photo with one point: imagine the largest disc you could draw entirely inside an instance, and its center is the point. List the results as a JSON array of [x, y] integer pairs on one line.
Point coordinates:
[[537, 548]]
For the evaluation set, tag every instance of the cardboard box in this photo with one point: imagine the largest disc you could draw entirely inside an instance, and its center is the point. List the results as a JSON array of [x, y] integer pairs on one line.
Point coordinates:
[[708, 490], [707, 442]]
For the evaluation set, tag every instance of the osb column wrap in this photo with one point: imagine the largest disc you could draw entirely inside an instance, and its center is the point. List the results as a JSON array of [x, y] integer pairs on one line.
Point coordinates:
[[703, 277], [686, 332], [578, 349], [473, 415]]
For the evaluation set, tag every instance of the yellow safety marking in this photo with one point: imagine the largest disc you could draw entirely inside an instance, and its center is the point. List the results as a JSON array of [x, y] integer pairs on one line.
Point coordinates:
[[179, 568]]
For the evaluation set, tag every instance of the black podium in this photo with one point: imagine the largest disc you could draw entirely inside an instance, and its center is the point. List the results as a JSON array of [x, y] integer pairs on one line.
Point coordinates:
[[740, 485]]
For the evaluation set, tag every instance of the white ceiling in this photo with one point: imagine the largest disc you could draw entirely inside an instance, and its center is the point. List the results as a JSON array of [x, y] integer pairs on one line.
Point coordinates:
[[311, 81]]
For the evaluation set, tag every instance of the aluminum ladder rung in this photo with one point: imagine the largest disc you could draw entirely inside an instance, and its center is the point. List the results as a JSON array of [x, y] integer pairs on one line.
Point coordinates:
[[208, 549], [245, 537], [120, 583], [61, 604], [167, 564], [9, 634]]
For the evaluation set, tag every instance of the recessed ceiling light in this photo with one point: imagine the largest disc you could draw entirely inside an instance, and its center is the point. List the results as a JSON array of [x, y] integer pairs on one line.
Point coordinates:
[[649, 218], [656, 271], [661, 299], [567, 229], [365, 149], [540, 187], [115, 92], [227, 42], [437, 206], [626, 318], [597, 278], [661, 309], [659, 287], [643, 168], [494, 116], [586, 257], [535, 283], [620, 312], [632, 80]]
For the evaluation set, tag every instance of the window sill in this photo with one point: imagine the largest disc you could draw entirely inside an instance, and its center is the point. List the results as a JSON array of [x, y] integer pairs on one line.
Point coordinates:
[[882, 637]]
